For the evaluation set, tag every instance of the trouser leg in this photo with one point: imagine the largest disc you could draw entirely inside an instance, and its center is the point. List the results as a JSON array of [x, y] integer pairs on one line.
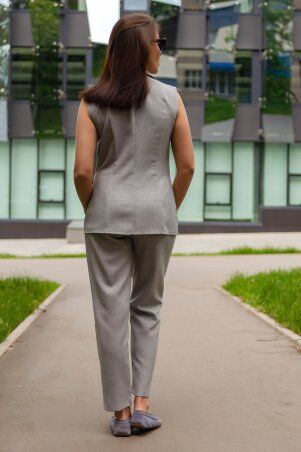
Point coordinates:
[[109, 259], [151, 254]]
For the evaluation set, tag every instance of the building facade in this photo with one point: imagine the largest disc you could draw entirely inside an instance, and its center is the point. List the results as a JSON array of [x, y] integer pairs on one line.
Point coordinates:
[[236, 65]]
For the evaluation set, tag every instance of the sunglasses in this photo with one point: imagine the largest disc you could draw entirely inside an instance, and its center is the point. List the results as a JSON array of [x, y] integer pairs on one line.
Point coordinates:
[[161, 43]]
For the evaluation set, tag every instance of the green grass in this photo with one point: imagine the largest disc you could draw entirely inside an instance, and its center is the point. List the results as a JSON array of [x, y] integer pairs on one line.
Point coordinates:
[[265, 250], [277, 293], [218, 109], [19, 297], [237, 250]]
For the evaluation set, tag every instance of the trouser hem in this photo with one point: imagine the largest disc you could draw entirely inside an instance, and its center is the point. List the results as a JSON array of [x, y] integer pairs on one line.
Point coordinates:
[[118, 407], [140, 393]]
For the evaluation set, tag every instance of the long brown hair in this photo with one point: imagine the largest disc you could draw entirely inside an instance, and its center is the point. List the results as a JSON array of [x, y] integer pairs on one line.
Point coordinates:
[[123, 80]]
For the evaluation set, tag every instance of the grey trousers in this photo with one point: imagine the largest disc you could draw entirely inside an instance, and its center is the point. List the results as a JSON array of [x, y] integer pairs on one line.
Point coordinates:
[[126, 275]]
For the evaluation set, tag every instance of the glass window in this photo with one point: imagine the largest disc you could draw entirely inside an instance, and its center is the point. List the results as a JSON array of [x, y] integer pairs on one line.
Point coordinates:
[[220, 106], [132, 5], [275, 174], [277, 93], [47, 119], [189, 69], [218, 189], [217, 213], [79, 5], [22, 70], [4, 179], [51, 185], [24, 178], [74, 209], [295, 190], [51, 211], [20, 4], [295, 158], [191, 208], [52, 154], [193, 79], [4, 49], [296, 77], [218, 157], [167, 16], [245, 181], [42, 76], [223, 8], [98, 56], [223, 25], [76, 72], [243, 77]]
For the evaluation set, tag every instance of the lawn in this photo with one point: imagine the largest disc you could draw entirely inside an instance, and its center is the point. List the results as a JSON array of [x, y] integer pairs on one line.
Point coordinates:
[[19, 297], [237, 250], [277, 293]]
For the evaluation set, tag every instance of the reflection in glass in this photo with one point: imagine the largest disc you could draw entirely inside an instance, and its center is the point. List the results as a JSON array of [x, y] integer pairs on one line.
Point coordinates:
[[223, 25], [243, 6], [132, 5], [76, 72], [98, 57], [79, 5], [22, 65], [193, 79], [277, 94], [296, 77], [277, 85], [229, 82], [167, 16], [20, 4], [220, 103], [46, 86], [4, 49], [243, 77], [189, 65]]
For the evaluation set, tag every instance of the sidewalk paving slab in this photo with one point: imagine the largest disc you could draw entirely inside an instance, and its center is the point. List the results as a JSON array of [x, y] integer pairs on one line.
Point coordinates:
[[224, 380], [185, 243]]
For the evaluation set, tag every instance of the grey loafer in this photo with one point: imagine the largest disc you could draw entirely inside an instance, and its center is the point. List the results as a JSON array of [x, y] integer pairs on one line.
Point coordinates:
[[120, 427], [145, 420]]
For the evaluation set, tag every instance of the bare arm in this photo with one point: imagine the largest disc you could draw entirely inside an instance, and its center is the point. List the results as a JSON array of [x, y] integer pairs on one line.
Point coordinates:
[[182, 147], [85, 146]]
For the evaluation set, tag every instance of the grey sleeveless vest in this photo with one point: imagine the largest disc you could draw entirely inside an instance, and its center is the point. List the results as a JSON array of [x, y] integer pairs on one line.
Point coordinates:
[[132, 191]]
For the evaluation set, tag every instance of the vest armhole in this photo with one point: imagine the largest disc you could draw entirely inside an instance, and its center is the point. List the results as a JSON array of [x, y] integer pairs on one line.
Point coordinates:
[[94, 114], [176, 102], [91, 111]]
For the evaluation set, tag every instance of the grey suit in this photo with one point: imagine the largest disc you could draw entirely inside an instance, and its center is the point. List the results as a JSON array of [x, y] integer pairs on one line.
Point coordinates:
[[130, 228], [132, 191], [112, 261]]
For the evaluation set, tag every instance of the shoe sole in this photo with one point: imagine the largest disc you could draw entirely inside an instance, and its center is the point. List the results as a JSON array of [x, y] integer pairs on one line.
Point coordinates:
[[142, 427], [121, 434]]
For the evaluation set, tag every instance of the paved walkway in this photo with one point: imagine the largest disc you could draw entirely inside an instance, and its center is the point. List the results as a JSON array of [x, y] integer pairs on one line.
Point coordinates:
[[224, 381], [185, 243]]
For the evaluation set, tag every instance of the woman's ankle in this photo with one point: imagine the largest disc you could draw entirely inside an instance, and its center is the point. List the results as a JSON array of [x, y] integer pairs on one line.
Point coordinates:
[[141, 403], [125, 413]]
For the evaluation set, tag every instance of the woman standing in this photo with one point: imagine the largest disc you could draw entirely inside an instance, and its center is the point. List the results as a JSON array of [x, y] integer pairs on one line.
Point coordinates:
[[125, 125]]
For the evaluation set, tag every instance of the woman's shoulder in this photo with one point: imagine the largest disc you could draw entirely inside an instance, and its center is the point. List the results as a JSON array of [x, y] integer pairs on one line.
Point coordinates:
[[163, 85]]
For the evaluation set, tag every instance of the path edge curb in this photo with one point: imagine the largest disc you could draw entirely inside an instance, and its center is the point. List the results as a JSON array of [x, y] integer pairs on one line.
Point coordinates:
[[294, 337], [25, 324]]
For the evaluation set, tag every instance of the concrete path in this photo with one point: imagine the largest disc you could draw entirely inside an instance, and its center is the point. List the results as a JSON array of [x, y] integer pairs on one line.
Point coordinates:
[[224, 381], [185, 243]]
